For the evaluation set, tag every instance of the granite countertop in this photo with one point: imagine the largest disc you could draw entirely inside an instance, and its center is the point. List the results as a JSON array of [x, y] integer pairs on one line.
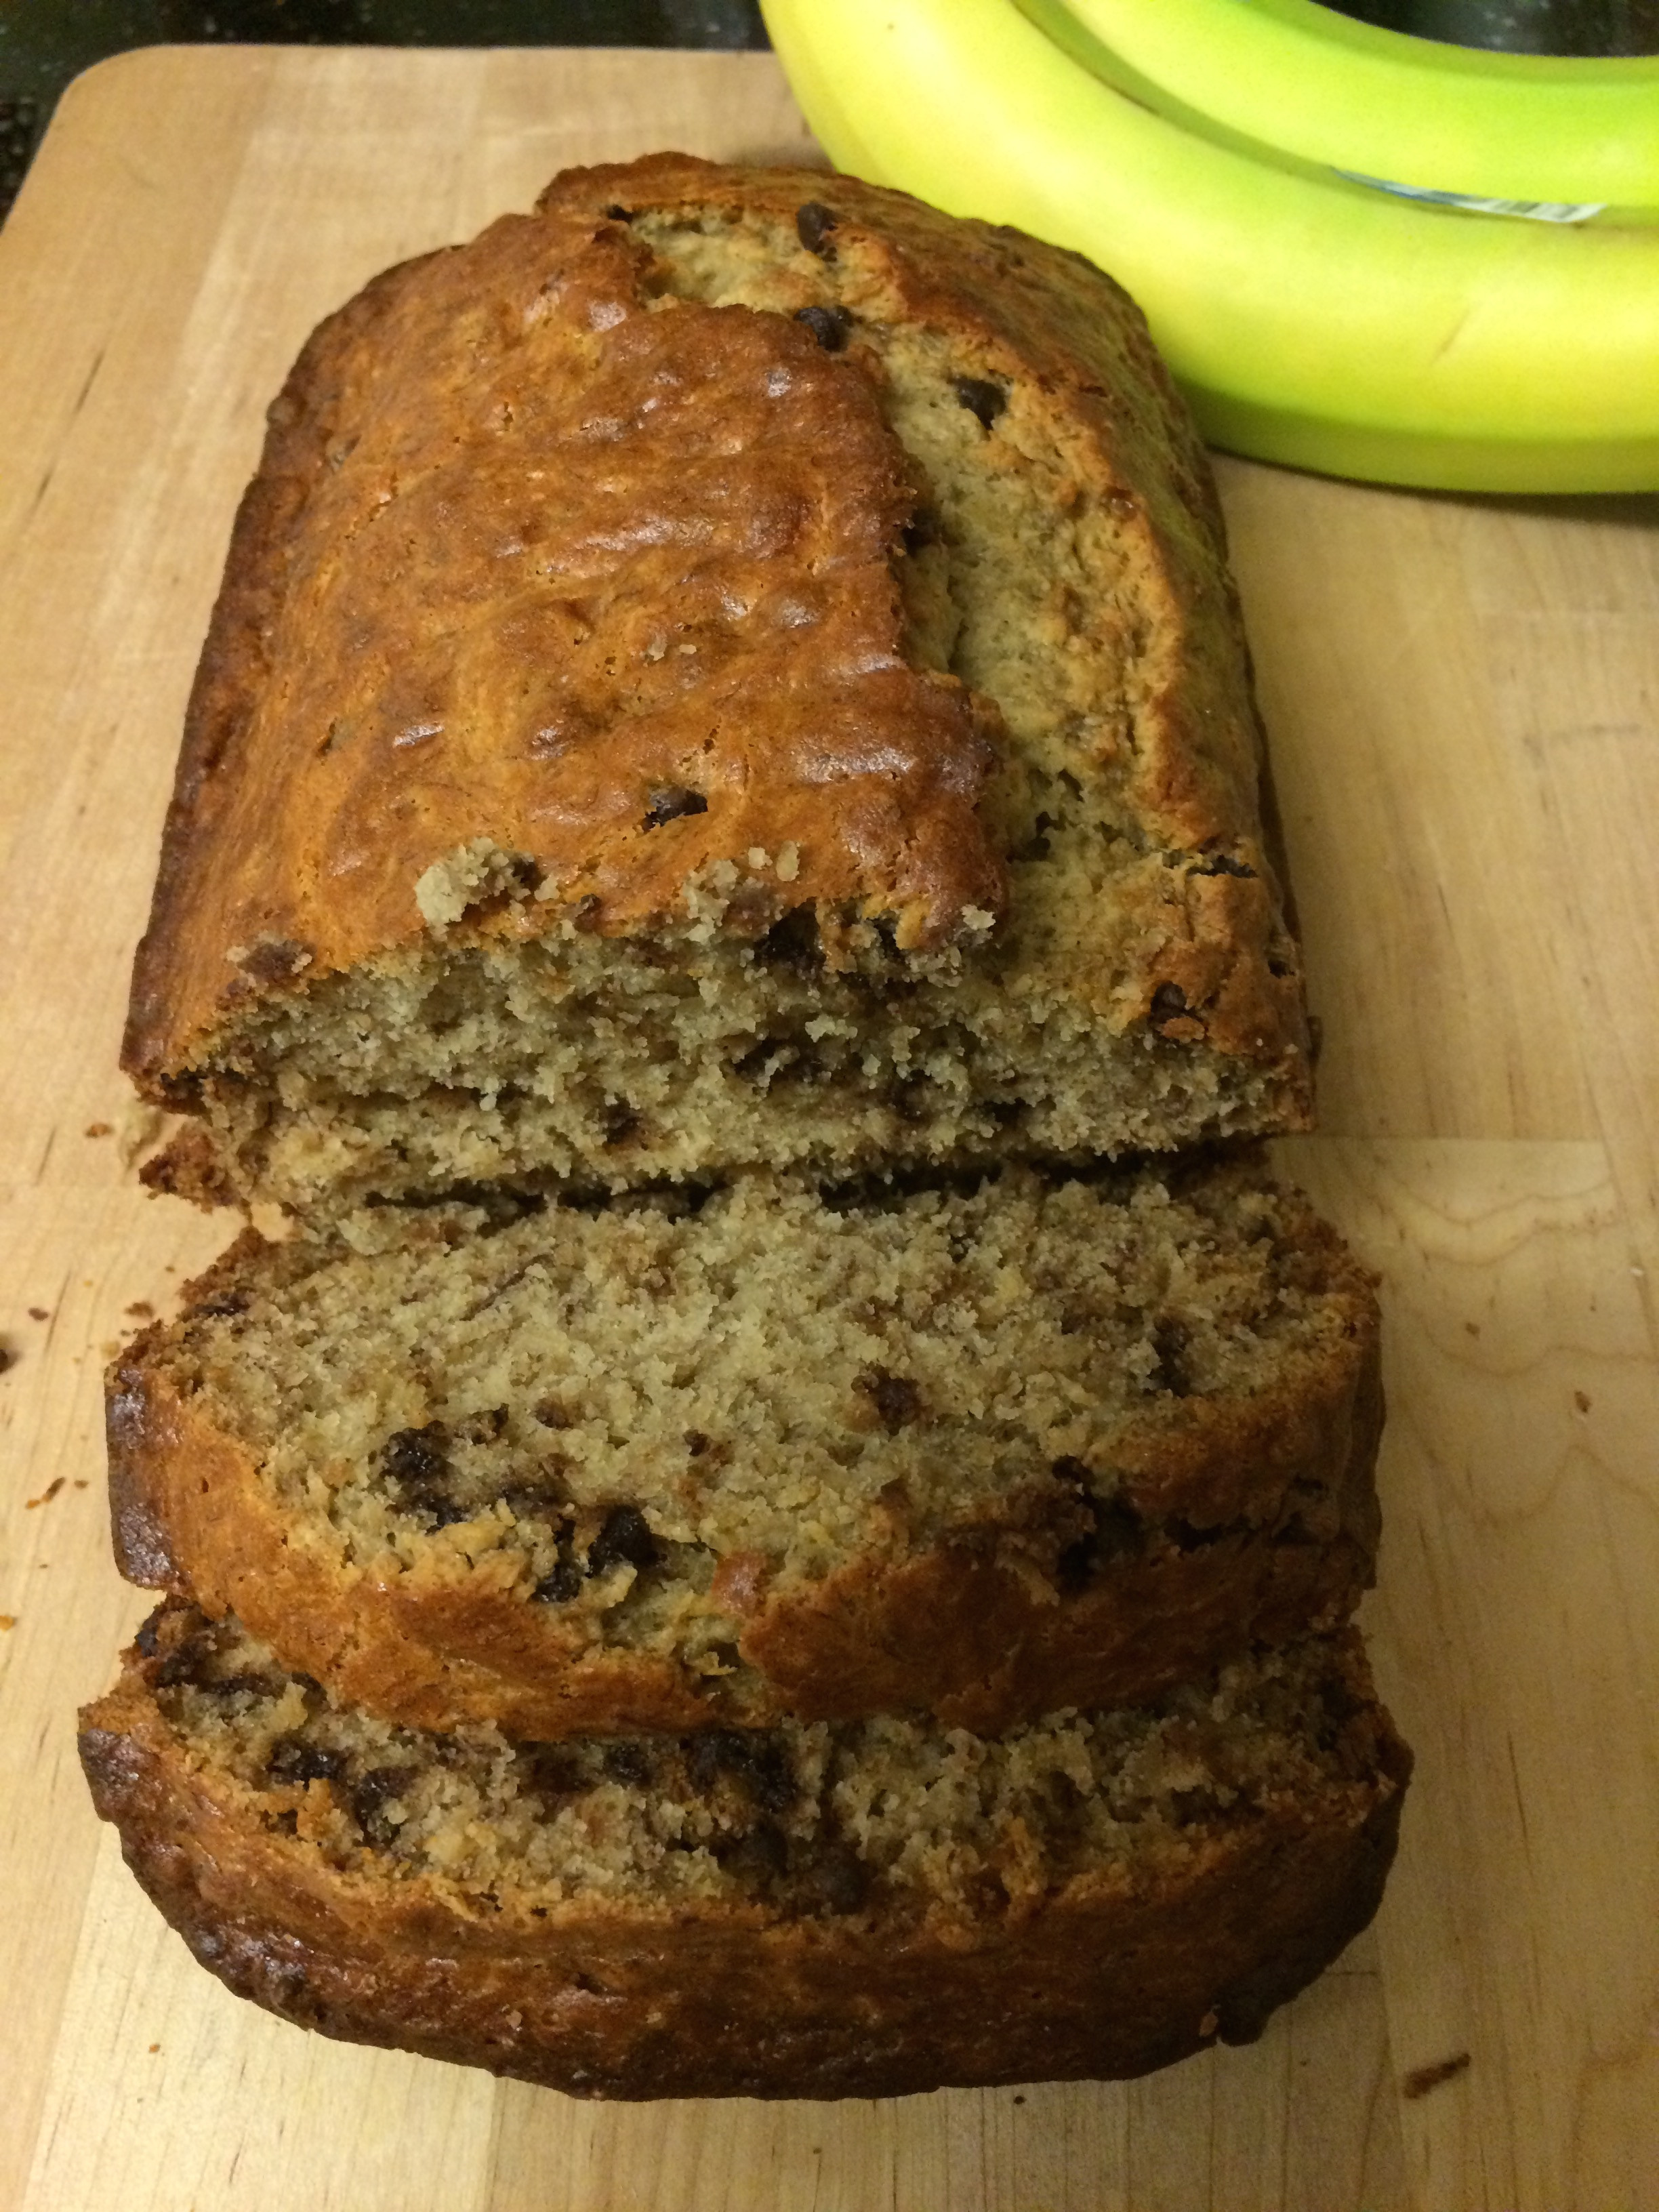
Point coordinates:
[[44, 43]]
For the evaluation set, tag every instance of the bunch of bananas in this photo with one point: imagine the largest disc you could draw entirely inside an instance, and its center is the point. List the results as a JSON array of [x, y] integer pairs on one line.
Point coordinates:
[[1361, 252]]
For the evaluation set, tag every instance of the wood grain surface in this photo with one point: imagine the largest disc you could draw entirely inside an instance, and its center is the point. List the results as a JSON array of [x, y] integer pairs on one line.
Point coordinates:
[[1463, 698]]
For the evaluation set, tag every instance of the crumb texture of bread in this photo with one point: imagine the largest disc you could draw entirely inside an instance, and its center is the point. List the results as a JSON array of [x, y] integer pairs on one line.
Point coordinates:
[[990, 1448], [683, 698], [863, 1911]]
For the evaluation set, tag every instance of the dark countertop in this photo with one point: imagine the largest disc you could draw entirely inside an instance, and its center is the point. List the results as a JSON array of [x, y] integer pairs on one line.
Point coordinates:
[[44, 43]]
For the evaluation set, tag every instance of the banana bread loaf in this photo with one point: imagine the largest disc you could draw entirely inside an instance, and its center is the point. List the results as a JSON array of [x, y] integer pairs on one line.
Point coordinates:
[[986, 1449], [817, 1911], [735, 666]]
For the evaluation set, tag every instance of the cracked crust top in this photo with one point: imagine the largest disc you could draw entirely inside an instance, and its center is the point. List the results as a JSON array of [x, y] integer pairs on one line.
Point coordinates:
[[558, 596]]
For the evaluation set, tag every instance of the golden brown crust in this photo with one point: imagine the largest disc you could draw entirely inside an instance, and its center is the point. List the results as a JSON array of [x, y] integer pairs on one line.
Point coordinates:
[[417, 649], [1107, 1977], [410, 653], [1259, 1520], [1022, 308]]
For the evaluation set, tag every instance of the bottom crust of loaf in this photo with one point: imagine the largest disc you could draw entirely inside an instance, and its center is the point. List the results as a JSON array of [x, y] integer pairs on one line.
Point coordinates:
[[1104, 1966]]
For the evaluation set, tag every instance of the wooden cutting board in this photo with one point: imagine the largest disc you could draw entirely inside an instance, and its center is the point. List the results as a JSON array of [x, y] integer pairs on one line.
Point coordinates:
[[1463, 699]]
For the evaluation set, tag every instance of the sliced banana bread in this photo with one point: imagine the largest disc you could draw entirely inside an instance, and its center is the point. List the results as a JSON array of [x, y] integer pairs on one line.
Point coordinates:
[[989, 1448], [813, 1910], [736, 667]]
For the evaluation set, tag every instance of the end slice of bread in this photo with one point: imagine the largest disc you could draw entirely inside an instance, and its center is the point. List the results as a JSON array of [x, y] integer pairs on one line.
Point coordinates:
[[821, 1911]]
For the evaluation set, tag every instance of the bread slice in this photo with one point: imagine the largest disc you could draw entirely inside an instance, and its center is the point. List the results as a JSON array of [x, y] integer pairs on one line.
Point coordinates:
[[734, 668], [817, 1911], [987, 1447]]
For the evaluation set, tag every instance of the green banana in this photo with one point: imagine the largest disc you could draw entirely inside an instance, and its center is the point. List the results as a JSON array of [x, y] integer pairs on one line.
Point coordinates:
[[1312, 321], [1417, 110]]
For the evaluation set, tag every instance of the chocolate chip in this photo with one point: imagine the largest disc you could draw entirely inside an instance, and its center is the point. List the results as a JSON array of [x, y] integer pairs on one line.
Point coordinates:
[[180, 1666], [626, 1536], [767, 1770], [1037, 846], [1190, 1808], [627, 1762], [702, 1760], [696, 1442], [293, 1760], [416, 1464], [1065, 1798], [1116, 1531], [1170, 1014], [246, 1683], [830, 326], [485, 1427], [553, 1770], [896, 1399], [813, 223], [838, 1879], [190, 1658], [1170, 1341], [756, 1761], [668, 802], [760, 1856], [792, 941], [371, 1796], [145, 1640], [921, 530], [416, 1457], [980, 397], [564, 1583]]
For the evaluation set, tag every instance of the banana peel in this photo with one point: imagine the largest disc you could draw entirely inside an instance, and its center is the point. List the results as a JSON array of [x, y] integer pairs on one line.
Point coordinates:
[[1312, 319], [1419, 112]]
